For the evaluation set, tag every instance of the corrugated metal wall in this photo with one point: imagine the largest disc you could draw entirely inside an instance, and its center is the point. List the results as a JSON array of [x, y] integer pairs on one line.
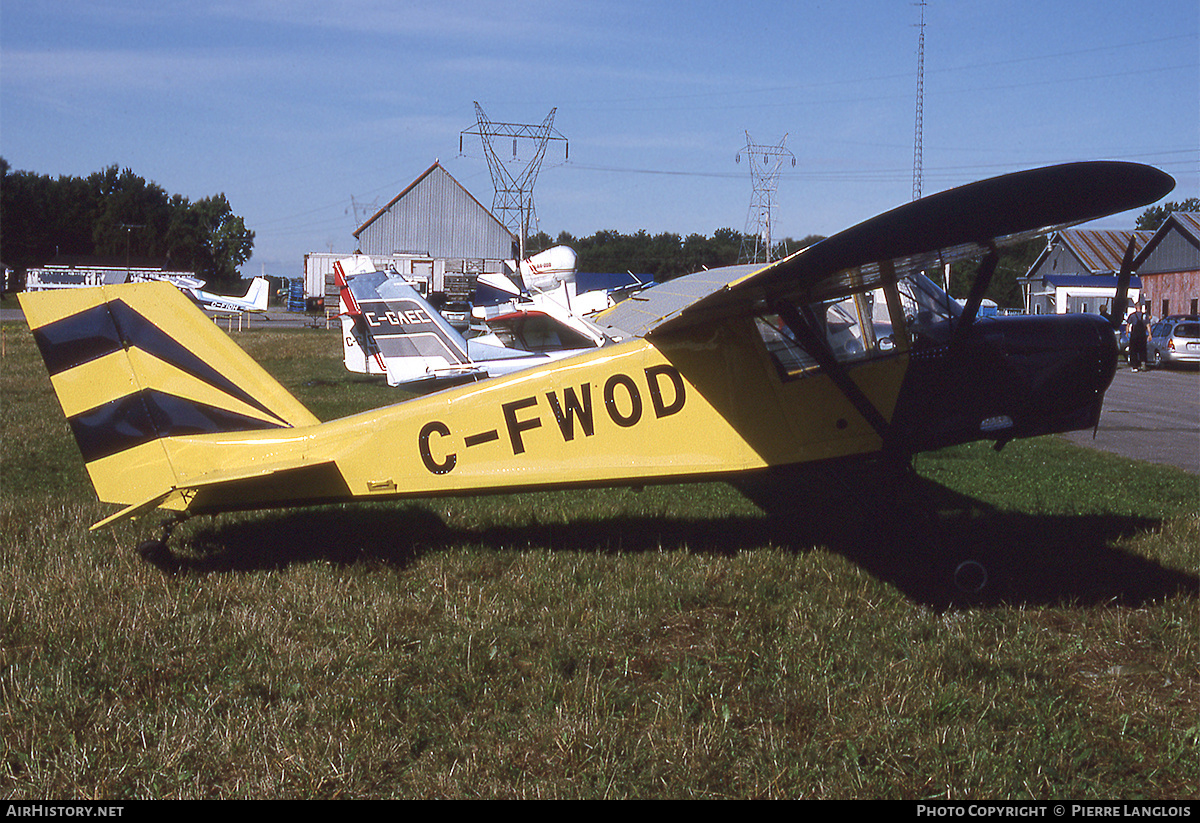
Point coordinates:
[[1089, 251], [1178, 250], [437, 217]]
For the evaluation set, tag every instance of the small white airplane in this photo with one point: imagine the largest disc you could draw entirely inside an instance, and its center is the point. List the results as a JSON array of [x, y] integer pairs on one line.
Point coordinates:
[[254, 301], [550, 276], [548, 314], [389, 329]]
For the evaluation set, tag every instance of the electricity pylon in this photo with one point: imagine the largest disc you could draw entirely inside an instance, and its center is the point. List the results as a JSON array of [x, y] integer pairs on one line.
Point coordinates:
[[362, 210], [766, 162], [513, 201]]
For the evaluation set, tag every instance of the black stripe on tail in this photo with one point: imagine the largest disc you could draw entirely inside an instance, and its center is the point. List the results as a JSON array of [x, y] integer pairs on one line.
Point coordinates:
[[148, 414]]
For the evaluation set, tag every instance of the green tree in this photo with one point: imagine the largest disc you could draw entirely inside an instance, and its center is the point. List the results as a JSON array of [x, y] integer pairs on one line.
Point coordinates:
[[662, 256], [226, 242], [1155, 216], [130, 216], [1015, 261], [117, 214]]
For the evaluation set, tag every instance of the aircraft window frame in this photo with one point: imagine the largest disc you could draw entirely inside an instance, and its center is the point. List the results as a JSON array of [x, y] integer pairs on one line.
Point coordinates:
[[849, 327], [896, 313], [924, 304], [537, 333]]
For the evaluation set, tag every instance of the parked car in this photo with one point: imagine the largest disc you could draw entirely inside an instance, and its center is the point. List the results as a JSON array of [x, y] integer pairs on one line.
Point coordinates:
[[1174, 339]]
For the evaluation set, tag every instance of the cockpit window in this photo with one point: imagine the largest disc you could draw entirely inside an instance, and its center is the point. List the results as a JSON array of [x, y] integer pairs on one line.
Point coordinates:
[[924, 304], [858, 327], [537, 333], [790, 358], [847, 326]]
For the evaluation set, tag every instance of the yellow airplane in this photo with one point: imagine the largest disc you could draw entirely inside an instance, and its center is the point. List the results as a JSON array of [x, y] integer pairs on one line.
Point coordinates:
[[843, 351]]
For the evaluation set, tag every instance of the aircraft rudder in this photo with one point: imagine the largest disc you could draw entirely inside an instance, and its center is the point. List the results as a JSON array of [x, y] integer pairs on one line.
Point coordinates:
[[259, 293], [401, 335], [132, 365]]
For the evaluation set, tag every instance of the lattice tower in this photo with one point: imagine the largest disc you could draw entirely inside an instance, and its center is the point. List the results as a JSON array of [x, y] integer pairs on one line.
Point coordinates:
[[918, 135], [766, 163], [513, 201]]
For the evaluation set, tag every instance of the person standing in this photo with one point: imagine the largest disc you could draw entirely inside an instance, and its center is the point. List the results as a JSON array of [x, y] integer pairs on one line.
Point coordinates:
[[1137, 340]]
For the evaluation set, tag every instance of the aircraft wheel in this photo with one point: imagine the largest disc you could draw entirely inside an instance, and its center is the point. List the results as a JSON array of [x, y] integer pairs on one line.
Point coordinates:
[[970, 576], [156, 553]]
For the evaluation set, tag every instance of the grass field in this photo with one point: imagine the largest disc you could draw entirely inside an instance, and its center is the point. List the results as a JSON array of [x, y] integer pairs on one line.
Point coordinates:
[[664, 643]]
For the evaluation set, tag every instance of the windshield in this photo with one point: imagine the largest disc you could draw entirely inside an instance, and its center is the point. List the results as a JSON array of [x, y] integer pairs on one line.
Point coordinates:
[[857, 327], [924, 304]]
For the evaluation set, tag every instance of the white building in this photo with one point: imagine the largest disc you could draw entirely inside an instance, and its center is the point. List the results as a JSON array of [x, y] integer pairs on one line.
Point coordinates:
[[1077, 272]]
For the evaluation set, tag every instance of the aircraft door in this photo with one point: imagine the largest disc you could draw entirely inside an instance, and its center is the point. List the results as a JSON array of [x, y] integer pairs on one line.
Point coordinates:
[[840, 363], [853, 329]]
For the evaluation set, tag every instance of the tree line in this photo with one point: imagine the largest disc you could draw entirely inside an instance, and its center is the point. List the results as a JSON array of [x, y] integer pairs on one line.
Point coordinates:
[[662, 256], [668, 255], [115, 214]]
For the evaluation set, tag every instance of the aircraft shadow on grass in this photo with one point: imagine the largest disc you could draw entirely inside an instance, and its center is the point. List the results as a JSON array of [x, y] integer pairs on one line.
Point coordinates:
[[1030, 559]]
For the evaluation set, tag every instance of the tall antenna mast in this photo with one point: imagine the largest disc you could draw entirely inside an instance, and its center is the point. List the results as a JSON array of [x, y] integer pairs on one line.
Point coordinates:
[[766, 162], [513, 201], [918, 137]]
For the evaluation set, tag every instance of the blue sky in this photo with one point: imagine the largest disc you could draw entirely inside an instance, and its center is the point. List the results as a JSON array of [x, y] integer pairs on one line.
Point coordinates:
[[297, 109]]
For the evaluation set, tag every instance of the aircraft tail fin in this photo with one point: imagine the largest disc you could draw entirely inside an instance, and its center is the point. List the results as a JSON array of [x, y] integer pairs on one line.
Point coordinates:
[[360, 353], [137, 364], [258, 293], [390, 329]]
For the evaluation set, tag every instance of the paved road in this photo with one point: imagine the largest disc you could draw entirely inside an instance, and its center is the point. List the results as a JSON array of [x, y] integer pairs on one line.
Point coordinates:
[[1153, 416]]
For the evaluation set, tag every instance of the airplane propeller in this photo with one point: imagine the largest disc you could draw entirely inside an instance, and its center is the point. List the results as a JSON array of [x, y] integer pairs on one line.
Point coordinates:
[[1122, 295]]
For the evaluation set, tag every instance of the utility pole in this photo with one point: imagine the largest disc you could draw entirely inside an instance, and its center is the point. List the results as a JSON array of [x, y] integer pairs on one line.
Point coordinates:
[[129, 227], [766, 162], [513, 201]]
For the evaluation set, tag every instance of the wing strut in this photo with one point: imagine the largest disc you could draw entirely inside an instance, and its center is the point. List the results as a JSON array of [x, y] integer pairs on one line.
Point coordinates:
[[805, 330], [982, 280]]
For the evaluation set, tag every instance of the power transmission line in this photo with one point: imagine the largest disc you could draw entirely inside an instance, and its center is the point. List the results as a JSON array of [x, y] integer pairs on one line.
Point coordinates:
[[513, 201]]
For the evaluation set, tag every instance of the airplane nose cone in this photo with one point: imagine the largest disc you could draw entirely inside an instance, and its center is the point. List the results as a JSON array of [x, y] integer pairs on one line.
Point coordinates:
[[1067, 363], [1011, 377]]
